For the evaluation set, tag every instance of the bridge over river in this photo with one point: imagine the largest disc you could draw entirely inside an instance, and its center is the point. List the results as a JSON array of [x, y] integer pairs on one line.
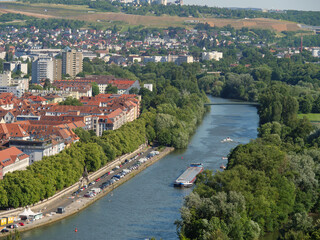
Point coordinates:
[[233, 103]]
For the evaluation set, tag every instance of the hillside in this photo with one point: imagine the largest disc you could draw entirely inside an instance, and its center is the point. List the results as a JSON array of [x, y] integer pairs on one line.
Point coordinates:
[[84, 13]]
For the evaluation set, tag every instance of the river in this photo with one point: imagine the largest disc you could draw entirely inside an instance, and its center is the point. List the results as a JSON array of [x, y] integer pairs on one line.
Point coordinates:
[[148, 205]]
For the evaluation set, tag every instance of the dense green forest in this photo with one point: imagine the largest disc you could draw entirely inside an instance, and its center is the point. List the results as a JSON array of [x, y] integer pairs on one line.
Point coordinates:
[[8, 17], [306, 17], [272, 183], [170, 115]]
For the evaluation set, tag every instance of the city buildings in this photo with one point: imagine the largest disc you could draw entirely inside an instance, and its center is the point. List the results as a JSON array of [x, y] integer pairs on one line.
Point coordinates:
[[16, 66], [71, 62]]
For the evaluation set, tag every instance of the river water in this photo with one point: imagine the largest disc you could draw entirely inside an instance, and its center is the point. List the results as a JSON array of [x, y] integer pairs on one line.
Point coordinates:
[[148, 205]]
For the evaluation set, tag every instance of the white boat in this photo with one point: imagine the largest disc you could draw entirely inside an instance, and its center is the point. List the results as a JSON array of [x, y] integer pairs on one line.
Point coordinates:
[[227, 140], [224, 158]]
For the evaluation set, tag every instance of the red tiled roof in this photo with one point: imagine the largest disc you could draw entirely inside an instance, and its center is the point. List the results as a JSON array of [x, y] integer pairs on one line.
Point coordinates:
[[9, 156], [12, 130], [37, 99], [115, 113]]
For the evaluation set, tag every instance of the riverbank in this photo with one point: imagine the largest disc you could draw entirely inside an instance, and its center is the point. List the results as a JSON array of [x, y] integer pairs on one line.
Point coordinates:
[[81, 203]]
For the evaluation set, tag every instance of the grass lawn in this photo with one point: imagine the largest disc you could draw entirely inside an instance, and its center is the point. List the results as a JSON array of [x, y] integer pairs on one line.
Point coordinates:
[[313, 117]]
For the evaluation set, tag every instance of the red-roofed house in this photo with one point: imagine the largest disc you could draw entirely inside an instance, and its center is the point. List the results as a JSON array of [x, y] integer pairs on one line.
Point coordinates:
[[37, 100], [12, 159], [112, 121], [6, 116], [12, 131]]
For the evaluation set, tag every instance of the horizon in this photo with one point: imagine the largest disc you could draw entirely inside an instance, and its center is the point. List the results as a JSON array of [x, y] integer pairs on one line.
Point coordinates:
[[307, 5]]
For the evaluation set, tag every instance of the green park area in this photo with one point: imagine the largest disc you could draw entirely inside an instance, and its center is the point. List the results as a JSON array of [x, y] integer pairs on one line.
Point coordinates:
[[312, 117]]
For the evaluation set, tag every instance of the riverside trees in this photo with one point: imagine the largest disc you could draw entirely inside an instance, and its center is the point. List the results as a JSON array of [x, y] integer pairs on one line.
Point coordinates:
[[169, 115], [275, 178]]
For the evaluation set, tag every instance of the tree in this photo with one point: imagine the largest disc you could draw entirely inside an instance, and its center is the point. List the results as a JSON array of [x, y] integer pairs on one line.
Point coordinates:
[[3, 196], [47, 84], [134, 90], [35, 87], [71, 101], [93, 156], [262, 74], [95, 89], [305, 104], [111, 89], [81, 74]]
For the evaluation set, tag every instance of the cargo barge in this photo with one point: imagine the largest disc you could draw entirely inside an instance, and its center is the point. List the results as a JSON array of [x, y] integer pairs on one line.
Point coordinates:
[[187, 178]]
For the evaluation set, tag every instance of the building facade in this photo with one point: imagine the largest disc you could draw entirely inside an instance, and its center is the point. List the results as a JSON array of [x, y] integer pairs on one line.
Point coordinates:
[[42, 68], [12, 159], [71, 62]]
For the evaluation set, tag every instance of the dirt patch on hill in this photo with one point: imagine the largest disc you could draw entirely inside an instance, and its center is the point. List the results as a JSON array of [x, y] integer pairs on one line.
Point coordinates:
[[263, 23], [165, 21]]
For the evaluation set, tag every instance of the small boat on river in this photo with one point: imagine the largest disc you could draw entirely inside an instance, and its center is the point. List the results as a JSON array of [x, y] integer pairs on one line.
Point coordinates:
[[187, 178], [223, 167], [227, 139]]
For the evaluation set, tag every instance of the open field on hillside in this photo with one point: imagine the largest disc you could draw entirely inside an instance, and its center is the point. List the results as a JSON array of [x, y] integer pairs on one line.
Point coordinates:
[[313, 117], [86, 14], [44, 10]]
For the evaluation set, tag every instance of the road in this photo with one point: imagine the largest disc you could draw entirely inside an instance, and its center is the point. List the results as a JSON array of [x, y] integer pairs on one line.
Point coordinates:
[[66, 200]]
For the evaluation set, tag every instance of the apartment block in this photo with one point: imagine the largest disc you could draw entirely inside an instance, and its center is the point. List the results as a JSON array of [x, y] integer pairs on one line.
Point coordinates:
[[42, 68], [71, 62]]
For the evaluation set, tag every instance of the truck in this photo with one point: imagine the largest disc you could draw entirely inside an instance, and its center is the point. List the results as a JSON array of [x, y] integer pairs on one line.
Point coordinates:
[[3, 221], [10, 220]]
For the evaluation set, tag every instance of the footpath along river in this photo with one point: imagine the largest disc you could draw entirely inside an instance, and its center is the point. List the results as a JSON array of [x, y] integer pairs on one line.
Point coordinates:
[[148, 205]]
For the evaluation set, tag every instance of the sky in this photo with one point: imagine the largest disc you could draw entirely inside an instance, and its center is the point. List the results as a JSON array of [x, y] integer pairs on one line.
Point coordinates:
[[306, 5]]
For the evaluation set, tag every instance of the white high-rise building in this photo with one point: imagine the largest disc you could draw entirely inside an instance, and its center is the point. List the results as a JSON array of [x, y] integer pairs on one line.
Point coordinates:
[[42, 68], [5, 79]]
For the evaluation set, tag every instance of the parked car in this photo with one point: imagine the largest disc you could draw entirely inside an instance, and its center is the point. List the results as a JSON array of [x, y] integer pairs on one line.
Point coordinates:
[[98, 179], [76, 192], [4, 230], [21, 223]]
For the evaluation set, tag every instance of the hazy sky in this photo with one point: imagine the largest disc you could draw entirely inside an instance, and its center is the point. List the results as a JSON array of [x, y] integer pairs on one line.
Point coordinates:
[[307, 5]]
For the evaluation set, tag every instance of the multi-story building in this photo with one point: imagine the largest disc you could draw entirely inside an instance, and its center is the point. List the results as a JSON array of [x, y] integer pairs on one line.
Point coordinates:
[[71, 62], [16, 66], [180, 59], [15, 86], [39, 148], [57, 68], [212, 55], [42, 68], [12, 159], [5, 79]]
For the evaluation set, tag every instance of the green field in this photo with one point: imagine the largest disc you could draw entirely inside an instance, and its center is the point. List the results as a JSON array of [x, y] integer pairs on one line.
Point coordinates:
[[313, 117]]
